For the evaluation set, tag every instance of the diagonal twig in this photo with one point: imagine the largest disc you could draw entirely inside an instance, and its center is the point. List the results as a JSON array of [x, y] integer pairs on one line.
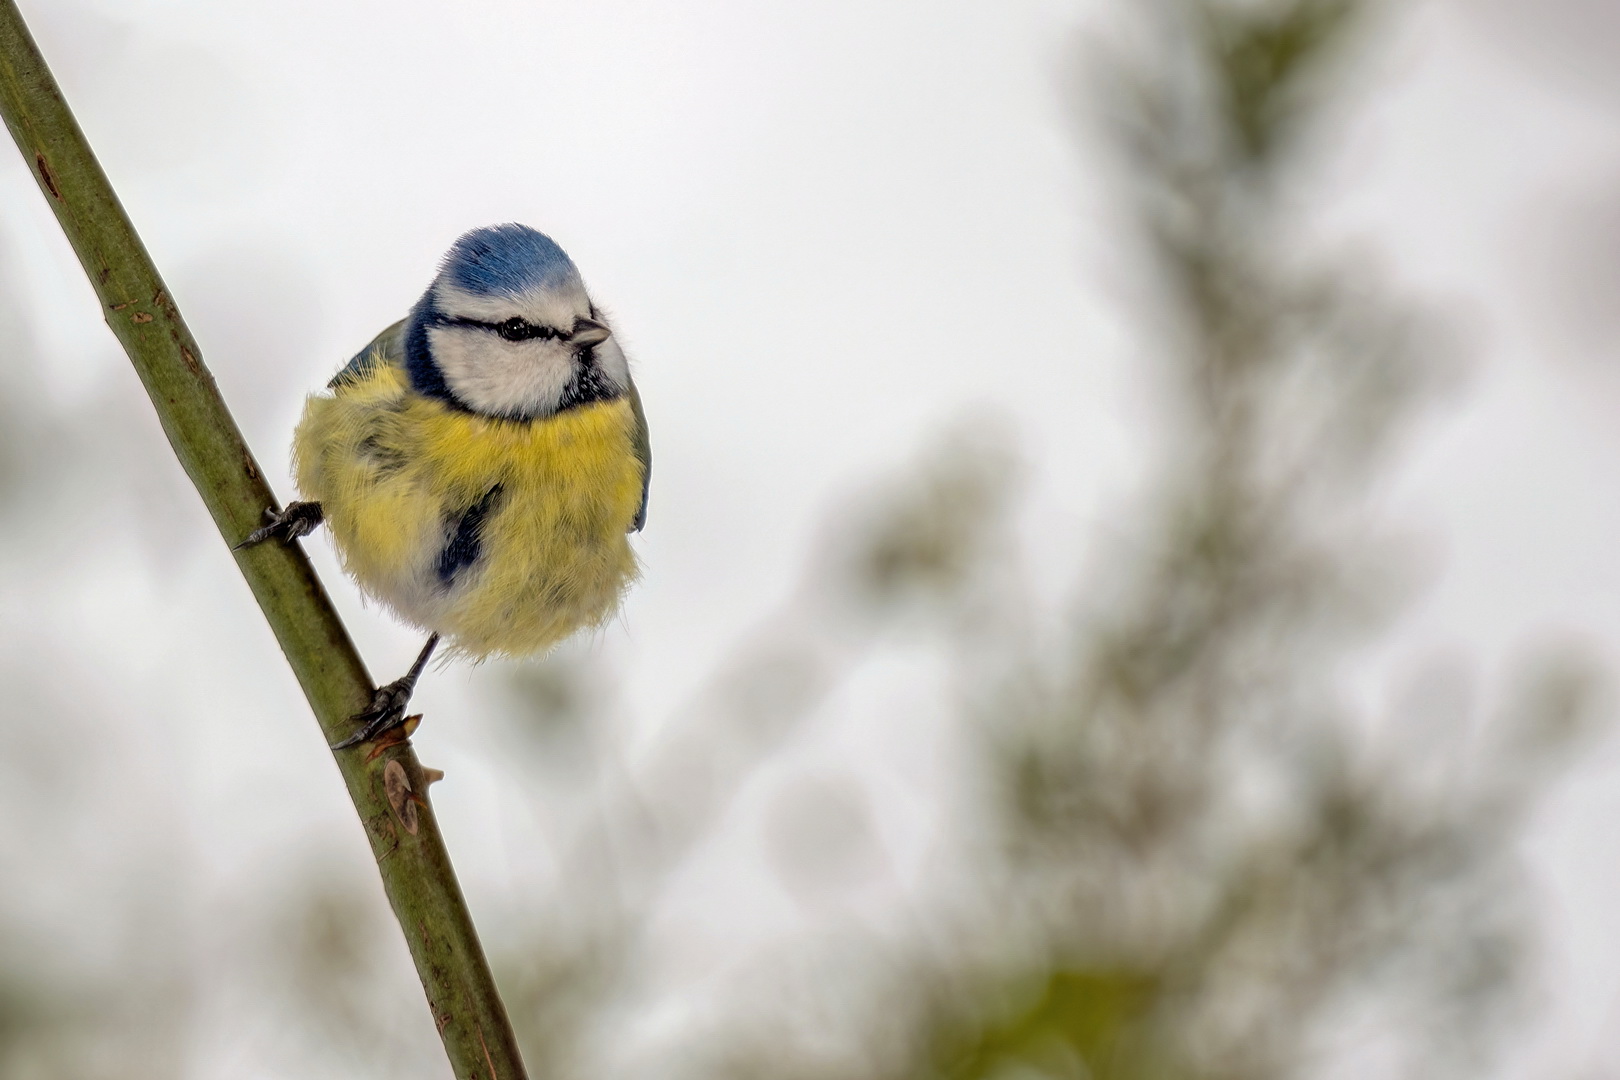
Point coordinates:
[[390, 790]]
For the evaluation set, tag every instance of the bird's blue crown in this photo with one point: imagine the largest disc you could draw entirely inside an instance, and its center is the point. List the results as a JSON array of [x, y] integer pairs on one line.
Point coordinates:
[[507, 260]]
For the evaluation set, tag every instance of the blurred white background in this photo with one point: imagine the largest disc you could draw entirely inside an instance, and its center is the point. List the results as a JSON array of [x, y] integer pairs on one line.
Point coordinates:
[[827, 232]]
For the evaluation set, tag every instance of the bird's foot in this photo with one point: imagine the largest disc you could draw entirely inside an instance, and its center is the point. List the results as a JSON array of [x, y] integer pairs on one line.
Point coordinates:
[[297, 519], [386, 713]]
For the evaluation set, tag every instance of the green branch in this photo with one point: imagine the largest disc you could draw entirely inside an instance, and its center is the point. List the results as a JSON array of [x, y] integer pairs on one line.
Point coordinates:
[[389, 792]]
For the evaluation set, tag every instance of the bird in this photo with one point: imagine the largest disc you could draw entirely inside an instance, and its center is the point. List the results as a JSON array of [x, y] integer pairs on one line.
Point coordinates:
[[481, 463]]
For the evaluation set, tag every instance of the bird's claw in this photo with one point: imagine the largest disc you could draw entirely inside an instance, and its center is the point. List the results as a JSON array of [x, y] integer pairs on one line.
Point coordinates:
[[386, 713], [296, 520]]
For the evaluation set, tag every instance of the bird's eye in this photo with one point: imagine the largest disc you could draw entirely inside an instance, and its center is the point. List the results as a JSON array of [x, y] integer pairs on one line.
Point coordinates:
[[519, 329]]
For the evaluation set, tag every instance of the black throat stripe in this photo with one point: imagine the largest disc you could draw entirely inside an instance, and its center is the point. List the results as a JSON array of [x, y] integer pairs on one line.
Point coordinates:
[[590, 384]]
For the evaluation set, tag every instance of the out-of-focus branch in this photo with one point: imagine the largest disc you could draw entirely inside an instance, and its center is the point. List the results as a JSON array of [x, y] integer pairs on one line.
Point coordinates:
[[389, 792]]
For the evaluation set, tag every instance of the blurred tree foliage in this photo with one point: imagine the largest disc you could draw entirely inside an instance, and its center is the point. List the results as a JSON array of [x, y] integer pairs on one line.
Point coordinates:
[[1205, 862]]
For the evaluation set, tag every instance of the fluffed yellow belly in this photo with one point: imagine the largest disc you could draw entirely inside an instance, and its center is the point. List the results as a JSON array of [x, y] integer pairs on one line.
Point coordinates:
[[397, 473]]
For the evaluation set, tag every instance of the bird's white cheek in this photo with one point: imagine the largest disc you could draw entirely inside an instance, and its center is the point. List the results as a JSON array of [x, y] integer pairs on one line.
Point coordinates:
[[500, 377]]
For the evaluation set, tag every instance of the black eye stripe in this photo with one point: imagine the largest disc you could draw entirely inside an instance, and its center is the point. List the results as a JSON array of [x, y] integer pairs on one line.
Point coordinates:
[[513, 329]]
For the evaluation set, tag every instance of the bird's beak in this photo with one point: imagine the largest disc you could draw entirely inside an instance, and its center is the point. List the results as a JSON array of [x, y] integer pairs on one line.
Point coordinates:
[[588, 332]]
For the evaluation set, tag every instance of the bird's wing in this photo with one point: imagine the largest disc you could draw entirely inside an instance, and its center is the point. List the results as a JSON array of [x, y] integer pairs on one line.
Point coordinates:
[[643, 453], [387, 347]]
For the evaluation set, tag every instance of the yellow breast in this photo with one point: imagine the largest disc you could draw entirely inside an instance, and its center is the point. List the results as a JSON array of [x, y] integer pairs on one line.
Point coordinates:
[[396, 473]]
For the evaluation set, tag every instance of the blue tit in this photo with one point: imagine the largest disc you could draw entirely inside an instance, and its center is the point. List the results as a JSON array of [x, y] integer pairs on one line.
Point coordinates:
[[480, 463]]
